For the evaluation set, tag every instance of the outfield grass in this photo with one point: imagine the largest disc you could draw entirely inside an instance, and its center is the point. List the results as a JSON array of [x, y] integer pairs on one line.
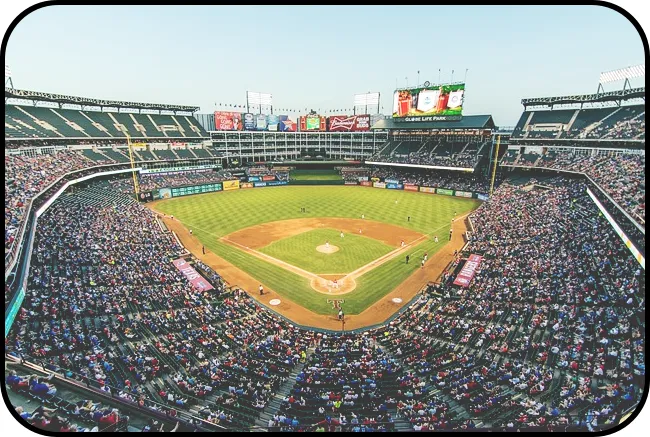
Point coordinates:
[[315, 175], [213, 215], [300, 250]]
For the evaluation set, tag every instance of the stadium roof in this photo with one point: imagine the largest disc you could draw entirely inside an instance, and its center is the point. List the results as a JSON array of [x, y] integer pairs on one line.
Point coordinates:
[[11, 93], [625, 94], [467, 122]]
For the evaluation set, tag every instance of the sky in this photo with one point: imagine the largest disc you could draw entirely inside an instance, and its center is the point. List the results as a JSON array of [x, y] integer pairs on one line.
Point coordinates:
[[318, 57]]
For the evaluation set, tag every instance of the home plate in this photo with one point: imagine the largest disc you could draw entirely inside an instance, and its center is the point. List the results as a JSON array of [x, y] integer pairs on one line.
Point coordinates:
[[274, 302], [397, 300]]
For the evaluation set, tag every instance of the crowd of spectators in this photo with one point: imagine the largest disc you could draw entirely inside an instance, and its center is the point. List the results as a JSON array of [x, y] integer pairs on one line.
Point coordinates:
[[439, 179], [549, 333], [26, 176], [152, 181], [622, 176]]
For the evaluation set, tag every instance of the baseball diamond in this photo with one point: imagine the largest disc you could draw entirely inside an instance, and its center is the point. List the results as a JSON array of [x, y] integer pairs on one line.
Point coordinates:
[[263, 234]]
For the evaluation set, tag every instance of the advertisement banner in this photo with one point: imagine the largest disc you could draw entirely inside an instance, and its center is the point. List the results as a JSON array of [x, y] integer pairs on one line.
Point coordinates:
[[275, 183], [192, 275], [429, 101], [268, 177], [427, 190], [272, 122], [195, 189], [260, 122], [480, 196], [392, 186], [164, 193], [463, 194], [366, 183], [249, 121], [468, 271], [253, 178], [350, 183], [411, 187], [349, 123], [227, 120], [312, 123], [379, 185], [287, 125], [246, 185], [363, 178], [391, 181], [444, 191], [231, 185], [178, 145], [146, 196], [259, 184], [375, 179]]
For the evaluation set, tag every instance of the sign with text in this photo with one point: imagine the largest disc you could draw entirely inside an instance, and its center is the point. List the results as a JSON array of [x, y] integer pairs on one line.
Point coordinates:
[[227, 120], [411, 187], [468, 271], [444, 191], [427, 190], [192, 275], [420, 104], [231, 185], [463, 194], [349, 123], [379, 185]]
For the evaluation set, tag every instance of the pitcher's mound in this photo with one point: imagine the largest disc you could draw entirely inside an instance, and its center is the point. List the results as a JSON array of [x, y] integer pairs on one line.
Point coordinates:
[[325, 249]]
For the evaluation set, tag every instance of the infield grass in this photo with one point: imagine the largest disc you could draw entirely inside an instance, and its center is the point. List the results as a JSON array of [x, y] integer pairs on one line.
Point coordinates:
[[300, 250], [214, 215]]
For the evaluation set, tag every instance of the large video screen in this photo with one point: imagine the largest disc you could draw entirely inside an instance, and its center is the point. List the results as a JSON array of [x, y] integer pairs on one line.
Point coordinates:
[[313, 123], [439, 102]]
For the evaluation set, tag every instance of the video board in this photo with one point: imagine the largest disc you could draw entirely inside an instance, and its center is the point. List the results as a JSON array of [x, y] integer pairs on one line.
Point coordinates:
[[429, 103], [313, 123]]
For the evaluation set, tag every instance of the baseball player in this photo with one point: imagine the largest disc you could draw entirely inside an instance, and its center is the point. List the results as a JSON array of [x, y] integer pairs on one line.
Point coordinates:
[[402, 243], [422, 264], [450, 232], [360, 230], [426, 256], [336, 284], [435, 239], [342, 234], [363, 216], [261, 290], [327, 245]]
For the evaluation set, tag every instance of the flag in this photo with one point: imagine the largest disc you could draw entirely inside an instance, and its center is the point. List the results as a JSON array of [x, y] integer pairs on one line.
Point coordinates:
[[455, 99]]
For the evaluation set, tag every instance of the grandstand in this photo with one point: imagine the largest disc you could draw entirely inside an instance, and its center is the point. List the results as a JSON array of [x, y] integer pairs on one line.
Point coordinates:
[[448, 144], [107, 331]]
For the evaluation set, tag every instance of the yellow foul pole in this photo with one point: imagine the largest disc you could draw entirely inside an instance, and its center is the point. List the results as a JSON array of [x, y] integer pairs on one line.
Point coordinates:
[[136, 186], [494, 169]]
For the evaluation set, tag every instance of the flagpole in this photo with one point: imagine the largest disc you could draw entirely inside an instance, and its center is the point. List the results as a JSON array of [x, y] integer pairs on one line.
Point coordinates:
[[465, 80]]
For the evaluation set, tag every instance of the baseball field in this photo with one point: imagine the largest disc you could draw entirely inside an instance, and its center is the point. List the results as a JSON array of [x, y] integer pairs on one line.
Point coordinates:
[[308, 245]]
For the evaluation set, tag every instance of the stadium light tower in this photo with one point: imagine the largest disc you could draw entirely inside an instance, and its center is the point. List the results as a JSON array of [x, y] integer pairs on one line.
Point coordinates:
[[260, 100], [624, 74], [365, 100], [8, 77]]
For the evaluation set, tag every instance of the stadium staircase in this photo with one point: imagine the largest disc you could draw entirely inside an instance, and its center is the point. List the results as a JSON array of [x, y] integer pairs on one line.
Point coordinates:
[[261, 423]]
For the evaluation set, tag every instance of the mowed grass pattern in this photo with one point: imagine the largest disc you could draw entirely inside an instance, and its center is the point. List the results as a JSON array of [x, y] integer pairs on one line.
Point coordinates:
[[300, 250], [213, 215]]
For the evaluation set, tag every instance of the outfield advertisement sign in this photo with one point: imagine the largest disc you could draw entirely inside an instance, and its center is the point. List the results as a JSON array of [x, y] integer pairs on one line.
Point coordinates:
[[268, 177], [392, 186], [363, 178], [411, 187], [259, 184], [351, 183], [231, 185], [260, 122], [249, 121], [379, 185], [463, 194], [468, 271], [427, 190], [444, 191], [480, 196], [146, 196], [276, 183], [286, 124], [195, 189], [366, 183], [253, 179], [224, 120], [391, 181], [351, 123], [272, 122], [246, 185], [192, 275]]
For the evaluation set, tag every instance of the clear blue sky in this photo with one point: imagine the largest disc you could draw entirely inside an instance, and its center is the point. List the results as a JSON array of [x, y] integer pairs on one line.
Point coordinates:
[[319, 56]]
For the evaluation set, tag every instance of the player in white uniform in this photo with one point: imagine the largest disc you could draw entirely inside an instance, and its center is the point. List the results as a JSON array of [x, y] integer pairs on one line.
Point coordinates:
[[342, 234], [327, 245]]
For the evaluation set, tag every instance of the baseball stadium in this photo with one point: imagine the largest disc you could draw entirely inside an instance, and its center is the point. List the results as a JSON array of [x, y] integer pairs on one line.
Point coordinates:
[[254, 268]]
